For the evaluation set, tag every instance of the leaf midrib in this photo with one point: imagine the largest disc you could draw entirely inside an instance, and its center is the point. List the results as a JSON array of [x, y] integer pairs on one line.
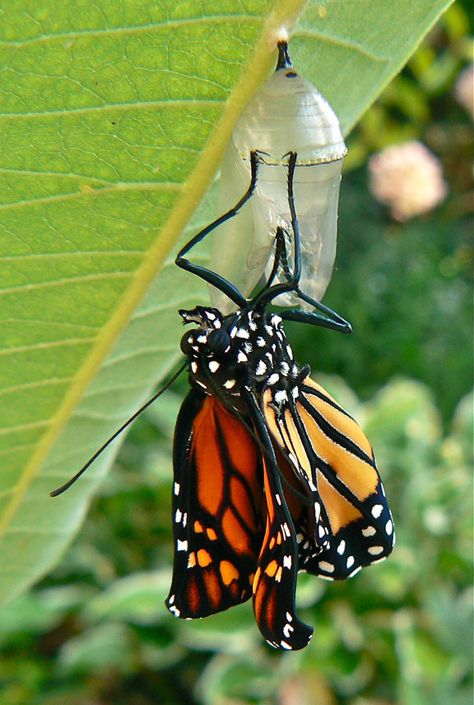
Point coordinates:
[[285, 14]]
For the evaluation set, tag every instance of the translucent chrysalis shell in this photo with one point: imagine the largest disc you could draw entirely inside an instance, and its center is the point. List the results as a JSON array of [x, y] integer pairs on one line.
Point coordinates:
[[286, 115]]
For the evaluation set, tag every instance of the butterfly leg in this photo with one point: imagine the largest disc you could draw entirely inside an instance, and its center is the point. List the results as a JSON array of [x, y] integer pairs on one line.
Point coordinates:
[[323, 316], [224, 285], [331, 320]]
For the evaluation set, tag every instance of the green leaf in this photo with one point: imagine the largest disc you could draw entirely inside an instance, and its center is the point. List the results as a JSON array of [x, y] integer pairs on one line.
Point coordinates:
[[113, 120], [136, 598]]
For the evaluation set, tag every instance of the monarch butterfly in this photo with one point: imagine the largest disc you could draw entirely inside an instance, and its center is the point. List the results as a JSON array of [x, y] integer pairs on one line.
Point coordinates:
[[271, 475], [286, 115]]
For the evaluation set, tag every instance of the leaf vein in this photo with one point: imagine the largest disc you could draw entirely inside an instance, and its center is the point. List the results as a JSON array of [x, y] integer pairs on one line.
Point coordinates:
[[147, 104], [337, 40], [137, 29], [65, 282]]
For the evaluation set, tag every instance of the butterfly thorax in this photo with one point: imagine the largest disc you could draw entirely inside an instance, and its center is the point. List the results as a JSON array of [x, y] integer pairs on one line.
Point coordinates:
[[248, 349]]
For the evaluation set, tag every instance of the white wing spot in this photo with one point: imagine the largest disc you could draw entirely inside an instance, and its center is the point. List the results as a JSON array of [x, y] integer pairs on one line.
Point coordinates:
[[261, 368], [389, 527], [317, 510], [176, 488], [178, 516], [260, 342], [214, 365], [375, 550], [181, 545], [288, 616], [278, 498], [328, 567], [273, 379], [342, 547], [350, 562], [194, 366], [377, 510], [287, 562], [287, 629], [369, 531], [242, 357], [229, 383]]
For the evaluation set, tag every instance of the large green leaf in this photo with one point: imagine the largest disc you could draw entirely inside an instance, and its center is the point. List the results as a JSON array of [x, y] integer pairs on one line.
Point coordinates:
[[114, 117]]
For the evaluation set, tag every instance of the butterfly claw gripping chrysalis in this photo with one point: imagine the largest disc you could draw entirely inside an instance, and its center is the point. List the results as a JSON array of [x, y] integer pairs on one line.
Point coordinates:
[[271, 477]]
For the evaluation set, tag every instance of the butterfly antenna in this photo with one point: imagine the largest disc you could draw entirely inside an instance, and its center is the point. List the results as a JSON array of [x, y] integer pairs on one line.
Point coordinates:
[[132, 418]]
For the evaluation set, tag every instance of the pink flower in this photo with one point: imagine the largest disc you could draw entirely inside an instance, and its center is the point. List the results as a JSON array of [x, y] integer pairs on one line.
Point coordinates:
[[407, 178], [464, 89]]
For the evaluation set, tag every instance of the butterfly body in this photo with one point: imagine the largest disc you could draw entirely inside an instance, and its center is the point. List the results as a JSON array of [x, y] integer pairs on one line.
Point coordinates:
[[247, 349], [272, 477]]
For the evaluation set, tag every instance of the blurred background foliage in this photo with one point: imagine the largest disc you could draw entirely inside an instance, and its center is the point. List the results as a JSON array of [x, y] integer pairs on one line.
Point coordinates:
[[96, 630]]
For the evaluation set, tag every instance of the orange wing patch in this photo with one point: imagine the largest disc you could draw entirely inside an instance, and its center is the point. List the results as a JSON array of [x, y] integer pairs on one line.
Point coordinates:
[[217, 502], [274, 584], [354, 471], [347, 524]]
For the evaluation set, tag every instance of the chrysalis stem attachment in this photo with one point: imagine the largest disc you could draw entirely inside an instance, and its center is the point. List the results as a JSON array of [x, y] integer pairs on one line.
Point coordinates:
[[284, 60], [132, 418]]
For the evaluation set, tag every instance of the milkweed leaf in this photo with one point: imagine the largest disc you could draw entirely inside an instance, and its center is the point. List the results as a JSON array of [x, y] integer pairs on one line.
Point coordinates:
[[113, 120]]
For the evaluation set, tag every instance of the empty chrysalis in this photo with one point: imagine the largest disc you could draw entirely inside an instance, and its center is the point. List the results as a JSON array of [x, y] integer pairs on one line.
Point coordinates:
[[287, 115]]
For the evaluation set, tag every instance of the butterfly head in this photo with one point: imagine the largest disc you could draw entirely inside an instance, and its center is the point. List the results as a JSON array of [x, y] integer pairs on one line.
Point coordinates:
[[247, 348]]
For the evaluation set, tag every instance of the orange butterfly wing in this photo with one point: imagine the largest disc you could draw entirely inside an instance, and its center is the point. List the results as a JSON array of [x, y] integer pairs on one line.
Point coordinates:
[[217, 498], [349, 524], [274, 584]]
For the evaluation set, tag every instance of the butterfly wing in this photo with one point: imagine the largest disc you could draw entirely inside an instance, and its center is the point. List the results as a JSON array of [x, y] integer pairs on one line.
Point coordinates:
[[274, 584], [350, 525], [217, 500]]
